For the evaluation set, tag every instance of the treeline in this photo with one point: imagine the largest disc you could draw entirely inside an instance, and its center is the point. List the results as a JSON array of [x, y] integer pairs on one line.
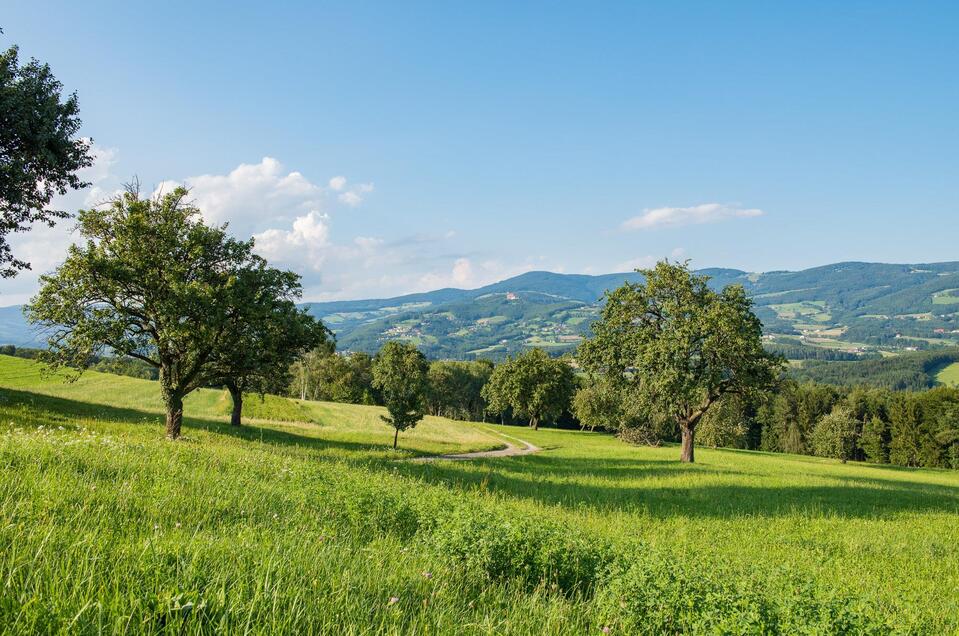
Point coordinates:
[[792, 351], [906, 372], [454, 388]]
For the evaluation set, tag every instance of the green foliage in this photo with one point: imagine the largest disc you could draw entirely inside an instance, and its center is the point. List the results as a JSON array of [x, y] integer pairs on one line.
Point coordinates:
[[905, 372], [152, 282], [598, 405], [498, 547], [875, 440], [400, 374], [323, 375], [533, 385], [291, 528], [679, 346], [40, 153], [725, 425], [455, 388], [836, 435], [265, 333]]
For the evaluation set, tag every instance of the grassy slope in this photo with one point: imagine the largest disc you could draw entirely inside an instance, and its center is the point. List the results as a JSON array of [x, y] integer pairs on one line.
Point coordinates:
[[288, 526], [133, 400], [949, 375]]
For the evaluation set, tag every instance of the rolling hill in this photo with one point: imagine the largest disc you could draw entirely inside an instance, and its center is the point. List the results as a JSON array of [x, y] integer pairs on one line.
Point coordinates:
[[843, 311]]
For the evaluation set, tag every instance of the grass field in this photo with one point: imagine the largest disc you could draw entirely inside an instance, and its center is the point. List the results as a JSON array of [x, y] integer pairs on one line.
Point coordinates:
[[949, 375], [308, 525]]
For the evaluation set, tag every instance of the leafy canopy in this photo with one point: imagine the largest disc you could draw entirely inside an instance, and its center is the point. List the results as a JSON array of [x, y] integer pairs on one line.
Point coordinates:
[[679, 346], [39, 151], [400, 373], [151, 281], [266, 332], [533, 384]]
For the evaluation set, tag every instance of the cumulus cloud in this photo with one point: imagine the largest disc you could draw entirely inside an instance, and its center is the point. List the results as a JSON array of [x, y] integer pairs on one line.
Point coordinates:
[[293, 220], [353, 197], [653, 218], [45, 247]]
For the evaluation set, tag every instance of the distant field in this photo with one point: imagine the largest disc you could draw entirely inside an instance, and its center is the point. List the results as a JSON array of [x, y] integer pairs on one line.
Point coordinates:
[[807, 309], [310, 526], [947, 297], [949, 375]]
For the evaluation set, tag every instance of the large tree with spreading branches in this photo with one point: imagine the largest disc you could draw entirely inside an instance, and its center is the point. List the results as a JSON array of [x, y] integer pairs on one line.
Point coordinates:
[[533, 385], [679, 346], [151, 281]]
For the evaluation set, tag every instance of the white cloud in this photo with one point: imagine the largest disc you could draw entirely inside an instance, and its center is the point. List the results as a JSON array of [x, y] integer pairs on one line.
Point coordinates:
[[302, 244], [252, 194], [351, 199], [695, 215], [45, 247], [354, 196], [293, 220]]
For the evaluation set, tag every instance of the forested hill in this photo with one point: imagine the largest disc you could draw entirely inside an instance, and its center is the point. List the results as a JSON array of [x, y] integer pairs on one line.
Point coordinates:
[[843, 311]]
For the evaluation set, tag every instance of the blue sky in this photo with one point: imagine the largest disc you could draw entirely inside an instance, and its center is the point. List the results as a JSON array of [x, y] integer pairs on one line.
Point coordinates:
[[382, 148]]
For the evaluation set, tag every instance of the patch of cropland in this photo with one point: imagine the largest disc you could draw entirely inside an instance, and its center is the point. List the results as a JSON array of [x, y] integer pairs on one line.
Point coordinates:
[[909, 371], [303, 522], [948, 375]]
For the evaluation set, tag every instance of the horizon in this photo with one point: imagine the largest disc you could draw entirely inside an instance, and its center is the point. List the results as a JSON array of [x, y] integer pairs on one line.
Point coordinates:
[[594, 275], [382, 150]]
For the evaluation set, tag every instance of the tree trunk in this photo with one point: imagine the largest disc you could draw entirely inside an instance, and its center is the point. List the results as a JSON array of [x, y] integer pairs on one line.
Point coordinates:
[[236, 394], [534, 423], [688, 446], [396, 435], [174, 413]]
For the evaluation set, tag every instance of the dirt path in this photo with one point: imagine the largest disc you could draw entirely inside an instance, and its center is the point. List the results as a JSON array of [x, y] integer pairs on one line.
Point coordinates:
[[511, 450]]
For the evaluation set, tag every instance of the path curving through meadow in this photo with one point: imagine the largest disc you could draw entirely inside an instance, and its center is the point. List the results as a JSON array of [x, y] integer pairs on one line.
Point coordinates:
[[511, 450]]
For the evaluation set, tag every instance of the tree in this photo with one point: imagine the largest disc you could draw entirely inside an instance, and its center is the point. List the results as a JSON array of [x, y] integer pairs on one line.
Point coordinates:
[[679, 346], [399, 372], [265, 335], [875, 440], [725, 424], [455, 388], [533, 385], [598, 405], [836, 434], [39, 151], [152, 282]]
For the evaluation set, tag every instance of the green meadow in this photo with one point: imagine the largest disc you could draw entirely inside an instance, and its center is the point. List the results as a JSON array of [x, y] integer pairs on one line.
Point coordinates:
[[949, 375], [305, 521]]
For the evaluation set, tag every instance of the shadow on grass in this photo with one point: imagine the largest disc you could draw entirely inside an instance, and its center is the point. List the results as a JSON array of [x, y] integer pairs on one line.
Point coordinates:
[[46, 408], [568, 482]]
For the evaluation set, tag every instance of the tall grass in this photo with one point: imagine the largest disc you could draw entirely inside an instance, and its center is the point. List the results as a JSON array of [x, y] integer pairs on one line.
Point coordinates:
[[295, 527]]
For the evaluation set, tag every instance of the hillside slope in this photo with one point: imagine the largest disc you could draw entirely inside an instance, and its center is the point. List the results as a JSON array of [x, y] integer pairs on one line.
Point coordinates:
[[840, 311], [312, 527]]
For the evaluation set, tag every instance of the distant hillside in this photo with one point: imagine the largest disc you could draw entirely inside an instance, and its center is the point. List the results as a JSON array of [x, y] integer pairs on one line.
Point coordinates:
[[843, 311]]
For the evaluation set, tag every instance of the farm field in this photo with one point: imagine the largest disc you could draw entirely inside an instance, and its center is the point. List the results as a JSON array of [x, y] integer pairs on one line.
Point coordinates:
[[302, 521], [949, 375]]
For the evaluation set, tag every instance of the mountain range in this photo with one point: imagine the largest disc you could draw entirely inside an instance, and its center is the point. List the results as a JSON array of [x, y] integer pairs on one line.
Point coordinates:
[[839, 311]]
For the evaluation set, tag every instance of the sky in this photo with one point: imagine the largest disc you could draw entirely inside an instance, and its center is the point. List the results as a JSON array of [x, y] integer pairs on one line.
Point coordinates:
[[386, 148]]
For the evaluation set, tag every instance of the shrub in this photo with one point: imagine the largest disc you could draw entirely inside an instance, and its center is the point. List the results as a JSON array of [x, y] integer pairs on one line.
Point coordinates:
[[657, 595], [534, 551]]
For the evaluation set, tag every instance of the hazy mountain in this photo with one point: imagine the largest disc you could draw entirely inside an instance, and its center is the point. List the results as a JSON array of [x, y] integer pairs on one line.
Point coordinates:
[[837, 311]]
